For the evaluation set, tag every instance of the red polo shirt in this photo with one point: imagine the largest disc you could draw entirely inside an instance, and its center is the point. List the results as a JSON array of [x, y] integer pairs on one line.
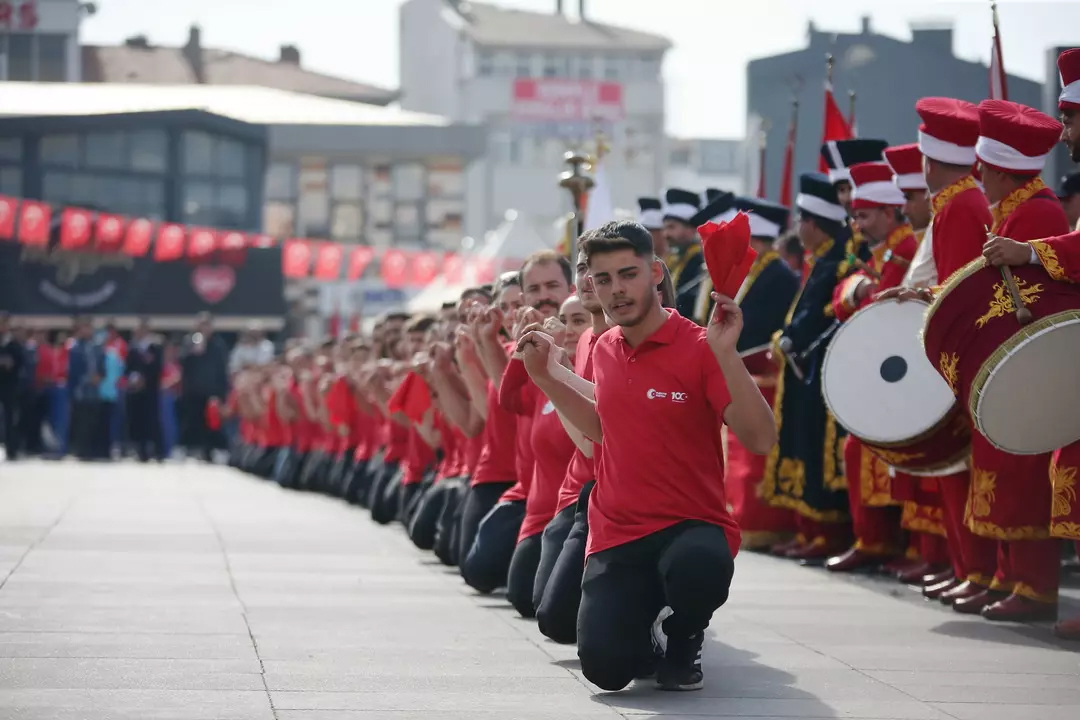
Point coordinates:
[[418, 457], [451, 448], [551, 448], [661, 407], [497, 459], [275, 432], [395, 440], [580, 469], [303, 430]]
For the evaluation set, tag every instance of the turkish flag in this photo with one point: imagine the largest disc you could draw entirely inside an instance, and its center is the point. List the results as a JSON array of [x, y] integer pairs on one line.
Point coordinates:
[[233, 246], [835, 126], [453, 268], [7, 217], [328, 260], [108, 233], [394, 268], [34, 220], [296, 258], [201, 244], [138, 237], [170, 242], [425, 268], [76, 228], [359, 258]]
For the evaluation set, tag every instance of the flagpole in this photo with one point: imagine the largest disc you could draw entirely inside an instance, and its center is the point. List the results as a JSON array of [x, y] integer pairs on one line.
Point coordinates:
[[851, 111], [789, 155], [763, 140], [829, 60], [996, 50]]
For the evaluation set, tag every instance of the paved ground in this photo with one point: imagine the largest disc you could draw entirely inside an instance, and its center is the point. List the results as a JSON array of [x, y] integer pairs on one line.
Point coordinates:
[[194, 593]]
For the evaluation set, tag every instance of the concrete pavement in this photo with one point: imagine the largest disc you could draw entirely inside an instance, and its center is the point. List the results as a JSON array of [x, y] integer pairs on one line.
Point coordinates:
[[187, 592]]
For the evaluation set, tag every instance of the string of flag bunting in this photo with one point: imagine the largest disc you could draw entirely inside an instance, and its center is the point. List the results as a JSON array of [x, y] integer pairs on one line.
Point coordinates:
[[33, 223]]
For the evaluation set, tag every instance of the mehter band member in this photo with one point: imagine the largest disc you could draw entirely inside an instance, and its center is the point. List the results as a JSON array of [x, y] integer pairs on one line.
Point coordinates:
[[685, 259], [804, 471], [661, 541]]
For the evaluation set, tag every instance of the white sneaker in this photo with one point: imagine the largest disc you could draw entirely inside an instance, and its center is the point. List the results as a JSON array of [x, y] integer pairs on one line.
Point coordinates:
[[659, 637]]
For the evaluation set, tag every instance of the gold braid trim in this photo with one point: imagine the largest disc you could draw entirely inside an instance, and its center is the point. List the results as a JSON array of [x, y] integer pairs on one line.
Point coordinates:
[[1049, 260], [939, 201], [1015, 199]]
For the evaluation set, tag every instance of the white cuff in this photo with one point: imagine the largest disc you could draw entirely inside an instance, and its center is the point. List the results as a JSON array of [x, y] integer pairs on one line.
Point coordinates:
[[1034, 260]]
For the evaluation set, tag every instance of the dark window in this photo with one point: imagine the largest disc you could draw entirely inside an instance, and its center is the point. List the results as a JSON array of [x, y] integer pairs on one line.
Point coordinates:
[[199, 203], [230, 158], [10, 181], [20, 57], [52, 58], [149, 150], [60, 150], [11, 149], [198, 153], [232, 206], [104, 150]]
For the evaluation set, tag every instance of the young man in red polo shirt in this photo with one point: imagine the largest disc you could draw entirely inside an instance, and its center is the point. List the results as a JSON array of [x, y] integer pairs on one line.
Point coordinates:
[[661, 540]]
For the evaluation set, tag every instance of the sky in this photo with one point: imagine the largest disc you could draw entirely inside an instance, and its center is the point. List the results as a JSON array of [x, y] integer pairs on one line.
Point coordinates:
[[713, 39]]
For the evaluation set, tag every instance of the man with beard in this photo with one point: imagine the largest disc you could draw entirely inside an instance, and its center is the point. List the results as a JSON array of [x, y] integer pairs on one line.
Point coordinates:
[[686, 260], [804, 471], [661, 543], [499, 554]]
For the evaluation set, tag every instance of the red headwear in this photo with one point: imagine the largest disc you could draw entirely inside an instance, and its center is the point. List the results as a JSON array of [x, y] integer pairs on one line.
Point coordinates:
[[1015, 138], [949, 130], [906, 164], [1069, 68], [874, 186]]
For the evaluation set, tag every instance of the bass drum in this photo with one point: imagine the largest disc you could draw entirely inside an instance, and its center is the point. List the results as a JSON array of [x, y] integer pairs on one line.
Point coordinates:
[[879, 385]]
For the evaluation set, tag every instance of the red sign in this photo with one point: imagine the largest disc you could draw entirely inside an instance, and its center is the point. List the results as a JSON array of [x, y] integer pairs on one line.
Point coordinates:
[[16, 15], [558, 100], [213, 283], [359, 259], [7, 217], [170, 242], [138, 237], [108, 233], [296, 258]]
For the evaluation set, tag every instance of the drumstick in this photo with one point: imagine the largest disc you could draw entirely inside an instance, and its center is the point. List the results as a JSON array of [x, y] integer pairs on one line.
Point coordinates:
[[755, 350], [1023, 315]]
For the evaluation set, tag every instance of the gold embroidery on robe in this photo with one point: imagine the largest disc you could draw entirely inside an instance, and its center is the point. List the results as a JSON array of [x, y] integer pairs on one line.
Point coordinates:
[[1064, 482], [1002, 303], [1049, 260], [983, 484], [1015, 199], [939, 201]]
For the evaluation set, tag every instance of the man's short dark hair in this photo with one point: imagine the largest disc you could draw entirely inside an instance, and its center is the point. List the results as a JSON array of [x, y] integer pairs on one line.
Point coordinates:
[[451, 305], [420, 324], [398, 316], [617, 235], [549, 256]]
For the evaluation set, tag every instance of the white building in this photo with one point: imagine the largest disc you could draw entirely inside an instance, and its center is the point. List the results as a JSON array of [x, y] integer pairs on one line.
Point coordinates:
[[541, 82], [39, 40], [696, 164]]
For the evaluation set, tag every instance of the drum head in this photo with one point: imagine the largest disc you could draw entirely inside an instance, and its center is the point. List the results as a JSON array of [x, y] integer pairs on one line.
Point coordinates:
[[1028, 404], [877, 380]]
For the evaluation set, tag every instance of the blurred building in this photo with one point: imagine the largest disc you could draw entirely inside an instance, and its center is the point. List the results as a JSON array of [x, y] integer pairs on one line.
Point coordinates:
[[540, 81], [142, 62], [241, 157], [696, 164], [887, 74], [39, 40]]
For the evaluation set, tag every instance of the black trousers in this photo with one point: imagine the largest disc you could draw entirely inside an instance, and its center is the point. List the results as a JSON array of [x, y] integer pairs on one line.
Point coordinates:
[[687, 566], [340, 470], [10, 410], [267, 462], [356, 483], [313, 474], [560, 596], [448, 526], [407, 498], [424, 521], [487, 564], [383, 498], [144, 424], [478, 501], [195, 436], [521, 578], [32, 414], [287, 469]]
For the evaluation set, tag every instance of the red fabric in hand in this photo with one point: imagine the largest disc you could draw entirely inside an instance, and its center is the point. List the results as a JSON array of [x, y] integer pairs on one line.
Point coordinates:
[[412, 398], [728, 255]]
